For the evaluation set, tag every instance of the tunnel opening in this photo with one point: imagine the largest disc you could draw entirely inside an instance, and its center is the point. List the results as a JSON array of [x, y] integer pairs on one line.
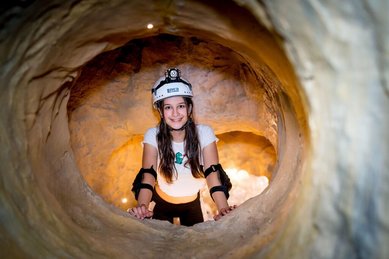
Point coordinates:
[[60, 94], [109, 109]]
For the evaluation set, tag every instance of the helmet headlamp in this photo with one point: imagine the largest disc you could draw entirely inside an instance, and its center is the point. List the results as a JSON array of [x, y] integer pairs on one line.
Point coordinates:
[[173, 74]]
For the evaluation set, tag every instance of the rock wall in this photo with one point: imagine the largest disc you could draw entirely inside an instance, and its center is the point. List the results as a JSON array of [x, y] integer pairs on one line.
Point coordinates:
[[340, 52], [324, 68]]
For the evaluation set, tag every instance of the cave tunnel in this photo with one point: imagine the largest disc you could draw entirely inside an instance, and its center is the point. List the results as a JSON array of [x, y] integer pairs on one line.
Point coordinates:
[[75, 95]]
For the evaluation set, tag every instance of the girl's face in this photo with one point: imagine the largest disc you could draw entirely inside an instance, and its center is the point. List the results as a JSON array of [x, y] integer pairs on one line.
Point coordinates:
[[175, 111]]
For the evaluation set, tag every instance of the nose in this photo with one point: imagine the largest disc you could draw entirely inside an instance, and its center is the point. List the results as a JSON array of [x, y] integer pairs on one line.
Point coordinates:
[[175, 112]]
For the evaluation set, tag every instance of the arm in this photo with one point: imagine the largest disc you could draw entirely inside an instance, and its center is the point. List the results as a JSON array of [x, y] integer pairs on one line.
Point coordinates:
[[211, 157], [149, 159]]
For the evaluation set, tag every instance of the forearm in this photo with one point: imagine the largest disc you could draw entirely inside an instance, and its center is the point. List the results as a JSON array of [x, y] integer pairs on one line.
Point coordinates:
[[145, 195], [220, 200]]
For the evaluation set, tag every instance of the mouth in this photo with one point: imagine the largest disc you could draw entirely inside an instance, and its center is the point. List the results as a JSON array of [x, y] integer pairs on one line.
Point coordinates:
[[176, 120], [176, 123]]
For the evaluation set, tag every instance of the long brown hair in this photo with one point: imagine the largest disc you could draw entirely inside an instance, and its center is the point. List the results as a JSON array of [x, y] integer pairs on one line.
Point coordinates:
[[191, 149]]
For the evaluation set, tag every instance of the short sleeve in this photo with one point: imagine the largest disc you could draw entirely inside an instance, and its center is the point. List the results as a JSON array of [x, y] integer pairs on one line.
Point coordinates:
[[206, 135], [151, 137]]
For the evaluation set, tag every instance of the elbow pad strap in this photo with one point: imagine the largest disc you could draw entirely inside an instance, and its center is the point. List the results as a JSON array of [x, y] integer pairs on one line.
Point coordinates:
[[137, 185], [211, 169], [220, 188], [148, 170]]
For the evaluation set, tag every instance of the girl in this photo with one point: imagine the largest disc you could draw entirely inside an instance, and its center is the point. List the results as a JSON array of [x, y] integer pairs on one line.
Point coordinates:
[[178, 150]]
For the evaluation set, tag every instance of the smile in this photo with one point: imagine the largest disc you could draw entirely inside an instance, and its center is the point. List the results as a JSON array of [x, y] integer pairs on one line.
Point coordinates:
[[176, 120]]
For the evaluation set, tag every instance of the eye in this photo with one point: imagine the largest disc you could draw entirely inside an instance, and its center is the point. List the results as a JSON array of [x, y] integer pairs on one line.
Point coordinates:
[[167, 107], [181, 106]]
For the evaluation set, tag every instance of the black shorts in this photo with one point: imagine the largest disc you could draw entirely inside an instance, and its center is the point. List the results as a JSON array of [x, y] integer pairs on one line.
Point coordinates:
[[189, 213]]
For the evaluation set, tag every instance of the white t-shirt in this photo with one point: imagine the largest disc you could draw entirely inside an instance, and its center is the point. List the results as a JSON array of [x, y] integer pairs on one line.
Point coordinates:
[[183, 182]]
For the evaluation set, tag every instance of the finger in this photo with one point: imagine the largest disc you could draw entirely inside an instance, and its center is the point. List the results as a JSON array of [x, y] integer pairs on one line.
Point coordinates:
[[146, 213], [231, 208], [149, 214], [133, 213], [139, 213], [225, 211], [144, 209]]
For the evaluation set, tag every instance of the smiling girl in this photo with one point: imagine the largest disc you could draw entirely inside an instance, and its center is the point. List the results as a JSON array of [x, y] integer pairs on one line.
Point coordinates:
[[174, 155]]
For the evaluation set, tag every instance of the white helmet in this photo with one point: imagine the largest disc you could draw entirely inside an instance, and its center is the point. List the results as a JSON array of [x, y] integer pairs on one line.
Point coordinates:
[[171, 85]]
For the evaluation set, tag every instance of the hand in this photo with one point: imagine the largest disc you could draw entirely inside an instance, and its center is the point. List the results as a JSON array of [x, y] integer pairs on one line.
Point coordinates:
[[140, 212], [224, 211]]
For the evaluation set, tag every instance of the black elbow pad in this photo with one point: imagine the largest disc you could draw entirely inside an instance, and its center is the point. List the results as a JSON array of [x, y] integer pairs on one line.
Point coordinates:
[[225, 181], [137, 185]]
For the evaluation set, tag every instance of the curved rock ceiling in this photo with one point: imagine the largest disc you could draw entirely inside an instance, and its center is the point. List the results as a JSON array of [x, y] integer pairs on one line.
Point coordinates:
[[313, 80]]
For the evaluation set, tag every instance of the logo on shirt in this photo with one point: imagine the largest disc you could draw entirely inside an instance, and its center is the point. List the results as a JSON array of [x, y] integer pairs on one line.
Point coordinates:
[[179, 158]]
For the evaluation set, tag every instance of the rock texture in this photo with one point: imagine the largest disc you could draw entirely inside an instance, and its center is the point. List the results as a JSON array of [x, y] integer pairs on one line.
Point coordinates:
[[322, 68]]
